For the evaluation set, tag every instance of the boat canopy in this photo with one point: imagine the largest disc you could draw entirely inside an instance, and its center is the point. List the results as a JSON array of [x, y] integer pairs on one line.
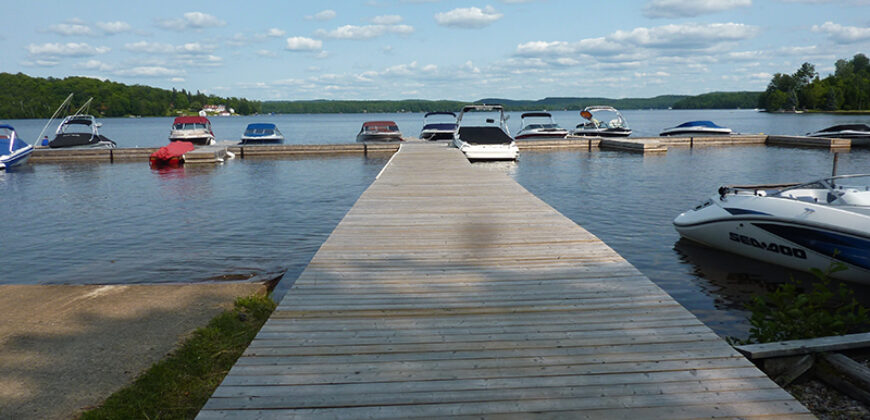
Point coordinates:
[[79, 119], [261, 126], [700, 124], [380, 126], [440, 113], [191, 120], [482, 107], [484, 135], [536, 114], [846, 127]]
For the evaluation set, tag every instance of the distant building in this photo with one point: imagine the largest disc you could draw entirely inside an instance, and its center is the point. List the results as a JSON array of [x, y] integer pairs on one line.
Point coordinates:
[[220, 110]]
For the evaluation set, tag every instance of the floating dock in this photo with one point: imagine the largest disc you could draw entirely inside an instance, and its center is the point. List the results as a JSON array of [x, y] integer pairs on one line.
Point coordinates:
[[448, 290]]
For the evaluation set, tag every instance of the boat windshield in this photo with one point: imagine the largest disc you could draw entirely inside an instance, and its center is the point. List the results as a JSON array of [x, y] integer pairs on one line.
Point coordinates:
[[380, 128], [189, 126], [259, 132], [853, 190]]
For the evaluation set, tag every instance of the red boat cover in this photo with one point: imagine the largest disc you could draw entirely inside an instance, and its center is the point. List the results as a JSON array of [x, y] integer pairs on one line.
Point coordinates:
[[175, 149], [191, 120], [378, 123]]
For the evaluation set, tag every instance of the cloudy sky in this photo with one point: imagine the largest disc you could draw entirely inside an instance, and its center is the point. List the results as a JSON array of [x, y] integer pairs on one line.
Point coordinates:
[[433, 49]]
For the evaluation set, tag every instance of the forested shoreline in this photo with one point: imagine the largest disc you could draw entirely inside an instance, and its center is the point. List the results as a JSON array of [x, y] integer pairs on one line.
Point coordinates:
[[847, 89]]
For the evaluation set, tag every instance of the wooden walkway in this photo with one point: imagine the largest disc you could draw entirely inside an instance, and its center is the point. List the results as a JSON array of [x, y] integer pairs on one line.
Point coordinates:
[[449, 290]]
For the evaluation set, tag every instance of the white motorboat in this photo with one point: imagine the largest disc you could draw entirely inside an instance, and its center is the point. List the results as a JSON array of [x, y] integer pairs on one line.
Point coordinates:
[[13, 150], [80, 131], [696, 128], [196, 130], [801, 226], [602, 121], [540, 125], [262, 133], [442, 129], [858, 133], [483, 134]]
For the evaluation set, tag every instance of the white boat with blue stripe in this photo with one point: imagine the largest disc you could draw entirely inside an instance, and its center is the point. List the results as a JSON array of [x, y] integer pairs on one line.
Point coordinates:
[[801, 226], [13, 150]]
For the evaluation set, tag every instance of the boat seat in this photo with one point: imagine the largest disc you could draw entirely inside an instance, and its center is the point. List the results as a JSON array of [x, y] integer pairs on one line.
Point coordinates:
[[853, 197]]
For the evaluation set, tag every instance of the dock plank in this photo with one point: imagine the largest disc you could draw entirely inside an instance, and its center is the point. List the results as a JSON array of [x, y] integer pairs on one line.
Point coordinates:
[[449, 290]]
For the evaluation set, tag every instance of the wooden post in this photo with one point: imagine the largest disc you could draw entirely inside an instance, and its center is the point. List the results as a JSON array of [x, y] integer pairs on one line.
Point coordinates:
[[836, 158]]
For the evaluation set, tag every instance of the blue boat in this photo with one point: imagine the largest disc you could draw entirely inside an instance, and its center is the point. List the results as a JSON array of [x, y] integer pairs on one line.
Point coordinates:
[[262, 133], [13, 150], [696, 128], [442, 130]]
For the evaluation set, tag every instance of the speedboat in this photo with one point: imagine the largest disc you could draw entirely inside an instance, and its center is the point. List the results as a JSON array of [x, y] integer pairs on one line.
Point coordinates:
[[603, 121], [260, 133], [541, 125], [438, 130], [80, 131], [196, 130], [800, 226], [859, 132], [379, 131], [696, 128], [484, 139], [13, 150]]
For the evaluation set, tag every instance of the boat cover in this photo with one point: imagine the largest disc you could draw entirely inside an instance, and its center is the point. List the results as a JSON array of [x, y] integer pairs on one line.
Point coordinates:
[[439, 113], [260, 126], [191, 120], [440, 126], [846, 127], [484, 135], [175, 149], [536, 114], [700, 124]]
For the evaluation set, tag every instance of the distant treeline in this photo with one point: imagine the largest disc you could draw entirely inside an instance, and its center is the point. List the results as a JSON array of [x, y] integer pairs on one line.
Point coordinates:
[[419, 105], [720, 100], [848, 89], [22, 96]]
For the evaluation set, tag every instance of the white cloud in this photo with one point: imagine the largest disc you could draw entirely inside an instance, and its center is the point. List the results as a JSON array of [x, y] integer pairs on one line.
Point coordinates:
[[148, 71], [266, 53], [93, 65], [114, 27], [365, 32], [843, 34], [192, 20], [71, 29], [40, 63], [322, 15], [690, 8], [690, 35], [190, 48], [276, 33], [469, 17], [301, 43], [387, 20], [177, 79], [70, 49]]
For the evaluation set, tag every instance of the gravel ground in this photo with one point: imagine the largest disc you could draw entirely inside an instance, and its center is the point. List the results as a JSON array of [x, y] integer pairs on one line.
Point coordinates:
[[826, 403]]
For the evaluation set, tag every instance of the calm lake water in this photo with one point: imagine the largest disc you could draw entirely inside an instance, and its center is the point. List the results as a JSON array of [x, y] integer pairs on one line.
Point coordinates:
[[127, 223]]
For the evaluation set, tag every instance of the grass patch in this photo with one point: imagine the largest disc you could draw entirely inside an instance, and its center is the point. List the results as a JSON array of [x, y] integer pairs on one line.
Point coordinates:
[[178, 386]]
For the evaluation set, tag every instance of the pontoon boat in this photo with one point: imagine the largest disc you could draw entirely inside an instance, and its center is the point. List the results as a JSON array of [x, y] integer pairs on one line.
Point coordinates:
[[260, 133], [484, 138], [13, 150], [379, 131], [196, 130], [442, 130], [603, 121], [696, 128], [540, 125], [801, 226]]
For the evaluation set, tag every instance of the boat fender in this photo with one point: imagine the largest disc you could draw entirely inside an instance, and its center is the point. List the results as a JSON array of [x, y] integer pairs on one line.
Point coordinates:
[[230, 154]]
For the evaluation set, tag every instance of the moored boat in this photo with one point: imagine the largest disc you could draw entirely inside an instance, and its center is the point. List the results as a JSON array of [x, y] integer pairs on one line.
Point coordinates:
[[441, 130], [80, 131], [379, 131], [801, 226], [540, 125], [696, 128], [196, 130], [602, 121], [858, 133], [262, 133], [484, 138], [13, 150], [171, 154]]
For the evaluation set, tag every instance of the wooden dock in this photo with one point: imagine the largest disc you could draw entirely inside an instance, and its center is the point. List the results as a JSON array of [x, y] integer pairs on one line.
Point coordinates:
[[450, 290]]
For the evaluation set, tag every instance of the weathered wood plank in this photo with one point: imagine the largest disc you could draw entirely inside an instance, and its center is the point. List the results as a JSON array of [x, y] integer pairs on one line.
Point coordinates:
[[812, 345]]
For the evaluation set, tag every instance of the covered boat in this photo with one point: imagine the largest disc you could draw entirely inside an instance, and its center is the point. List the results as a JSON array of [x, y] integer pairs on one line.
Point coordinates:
[[13, 150], [858, 133], [441, 130], [696, 128], [262, 133], [801, 226], [539, 125], [196, 130], [603, 121], [80, 131], [379, 131], [171, 154], [483, 134]]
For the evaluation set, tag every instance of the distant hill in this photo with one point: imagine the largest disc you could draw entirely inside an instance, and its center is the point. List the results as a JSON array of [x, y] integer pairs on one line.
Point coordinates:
[[658, 102], [720, 100]]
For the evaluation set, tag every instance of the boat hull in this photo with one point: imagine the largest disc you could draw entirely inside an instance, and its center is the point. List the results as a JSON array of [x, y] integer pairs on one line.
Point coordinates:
[[802, 240], [541, 135], [433, 135], [197, 137], [602, 133], [262, 140], [695, 132], [362, 138], [19, 157]]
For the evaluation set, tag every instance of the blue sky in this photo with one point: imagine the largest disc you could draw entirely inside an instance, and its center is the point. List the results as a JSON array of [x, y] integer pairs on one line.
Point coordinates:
[[431, 49]]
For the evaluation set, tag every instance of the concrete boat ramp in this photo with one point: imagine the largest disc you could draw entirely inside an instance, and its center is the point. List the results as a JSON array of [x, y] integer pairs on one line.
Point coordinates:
[[448, 290]]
